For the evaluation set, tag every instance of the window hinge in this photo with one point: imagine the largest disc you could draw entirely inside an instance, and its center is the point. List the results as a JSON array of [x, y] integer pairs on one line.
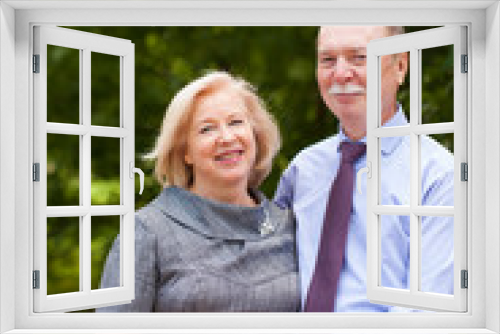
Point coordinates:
[[36, 172], [464, 172], [36, 279], [465, 279], [465, 64], [36, 63]]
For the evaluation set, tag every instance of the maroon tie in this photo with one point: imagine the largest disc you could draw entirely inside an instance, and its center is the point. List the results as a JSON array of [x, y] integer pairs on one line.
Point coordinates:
[[323, 289]]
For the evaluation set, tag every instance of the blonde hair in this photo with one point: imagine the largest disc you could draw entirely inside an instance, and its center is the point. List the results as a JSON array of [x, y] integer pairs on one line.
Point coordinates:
[[169, 152]]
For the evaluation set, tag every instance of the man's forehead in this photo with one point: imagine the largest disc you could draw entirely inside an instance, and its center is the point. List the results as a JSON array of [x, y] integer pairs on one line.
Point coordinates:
[[351, 37]]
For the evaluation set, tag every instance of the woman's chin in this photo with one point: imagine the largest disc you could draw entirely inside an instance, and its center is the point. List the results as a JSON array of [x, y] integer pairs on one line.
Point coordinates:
[[233, 177]]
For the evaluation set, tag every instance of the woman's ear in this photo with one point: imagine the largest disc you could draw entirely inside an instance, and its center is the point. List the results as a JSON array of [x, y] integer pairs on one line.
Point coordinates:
[[187, 158]]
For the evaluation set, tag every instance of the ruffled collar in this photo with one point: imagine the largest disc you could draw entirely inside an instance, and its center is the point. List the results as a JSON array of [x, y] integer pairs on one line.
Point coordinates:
[[216, 219]]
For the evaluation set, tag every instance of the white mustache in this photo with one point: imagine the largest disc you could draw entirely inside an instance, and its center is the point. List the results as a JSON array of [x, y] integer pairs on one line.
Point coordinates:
[[346, 89]]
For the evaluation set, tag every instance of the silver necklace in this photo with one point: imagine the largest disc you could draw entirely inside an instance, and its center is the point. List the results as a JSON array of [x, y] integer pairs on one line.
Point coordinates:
[[266, 227]]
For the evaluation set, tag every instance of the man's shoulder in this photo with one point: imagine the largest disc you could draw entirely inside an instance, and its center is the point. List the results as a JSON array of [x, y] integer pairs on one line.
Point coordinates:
[[316, 152], [435, 153]]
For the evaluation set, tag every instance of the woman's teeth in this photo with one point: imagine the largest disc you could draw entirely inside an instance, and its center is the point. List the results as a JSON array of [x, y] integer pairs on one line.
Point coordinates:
[[229, 156]]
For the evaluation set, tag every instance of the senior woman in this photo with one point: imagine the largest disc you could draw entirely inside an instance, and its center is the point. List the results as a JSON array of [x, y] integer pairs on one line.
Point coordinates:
[[211, 242]]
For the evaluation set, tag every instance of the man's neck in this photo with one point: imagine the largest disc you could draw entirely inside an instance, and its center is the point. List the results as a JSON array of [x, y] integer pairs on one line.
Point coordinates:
[[356, 129]]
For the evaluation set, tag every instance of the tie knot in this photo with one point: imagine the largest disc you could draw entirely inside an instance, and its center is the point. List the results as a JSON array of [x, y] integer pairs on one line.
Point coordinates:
[[351, 151]]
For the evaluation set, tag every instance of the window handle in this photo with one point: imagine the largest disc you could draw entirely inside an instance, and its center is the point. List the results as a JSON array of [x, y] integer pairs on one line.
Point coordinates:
[[368, 170], [133, 170]]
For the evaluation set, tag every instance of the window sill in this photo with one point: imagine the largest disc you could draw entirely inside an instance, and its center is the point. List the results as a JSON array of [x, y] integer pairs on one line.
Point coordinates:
[[252, 331]]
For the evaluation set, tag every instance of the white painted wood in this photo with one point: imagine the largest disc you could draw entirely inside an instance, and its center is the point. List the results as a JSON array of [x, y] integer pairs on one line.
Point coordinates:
[[7, 167], [419, 210], [248, 4], [491, 170], [86, 43], [78, 211], [413, 43], [259, 331], [419, 129], [437, 128], [93, 130]]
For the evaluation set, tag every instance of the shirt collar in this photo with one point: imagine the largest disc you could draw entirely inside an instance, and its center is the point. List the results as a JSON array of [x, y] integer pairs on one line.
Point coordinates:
[[388, 144]]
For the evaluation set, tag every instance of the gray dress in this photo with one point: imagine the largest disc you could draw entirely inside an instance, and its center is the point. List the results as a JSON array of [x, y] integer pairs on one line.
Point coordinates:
[[197, 255]]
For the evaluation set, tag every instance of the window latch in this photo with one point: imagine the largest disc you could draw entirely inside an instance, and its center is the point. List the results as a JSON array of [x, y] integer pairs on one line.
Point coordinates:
[[367, 170], [133, 170]]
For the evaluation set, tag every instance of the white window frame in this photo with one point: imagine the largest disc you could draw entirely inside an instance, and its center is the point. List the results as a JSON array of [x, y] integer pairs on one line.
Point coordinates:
[[86, 44], [412, 44], [16, 21]]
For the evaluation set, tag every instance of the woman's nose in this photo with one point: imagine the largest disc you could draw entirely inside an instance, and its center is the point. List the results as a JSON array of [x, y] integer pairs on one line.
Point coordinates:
[[226, 134]]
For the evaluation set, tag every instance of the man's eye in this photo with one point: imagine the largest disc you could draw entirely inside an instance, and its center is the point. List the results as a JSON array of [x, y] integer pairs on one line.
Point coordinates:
[[359, 58], [327, 59]]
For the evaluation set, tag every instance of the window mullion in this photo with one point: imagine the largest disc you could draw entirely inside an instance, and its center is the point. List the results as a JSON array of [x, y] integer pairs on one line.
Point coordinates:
[[85, 238], [414, 279]]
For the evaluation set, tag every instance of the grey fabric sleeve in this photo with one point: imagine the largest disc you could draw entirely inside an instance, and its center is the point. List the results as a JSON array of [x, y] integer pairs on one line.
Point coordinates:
[[145, 271]]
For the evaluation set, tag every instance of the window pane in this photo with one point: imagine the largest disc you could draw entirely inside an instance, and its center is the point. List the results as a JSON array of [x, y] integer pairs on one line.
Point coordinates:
[[437, 169], [63, 85], [437, 254], [63, 170], [104, 231], [63, 255], [395, 251], [437, 84], [392, 83], [105, 96], [105, 171], [395, 170]]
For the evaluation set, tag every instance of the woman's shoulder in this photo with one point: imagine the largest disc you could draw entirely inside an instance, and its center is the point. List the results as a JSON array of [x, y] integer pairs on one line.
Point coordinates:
[[158, 213]]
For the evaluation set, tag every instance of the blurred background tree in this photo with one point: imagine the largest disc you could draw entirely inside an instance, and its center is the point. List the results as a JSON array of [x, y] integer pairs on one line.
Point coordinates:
[[279, 61]]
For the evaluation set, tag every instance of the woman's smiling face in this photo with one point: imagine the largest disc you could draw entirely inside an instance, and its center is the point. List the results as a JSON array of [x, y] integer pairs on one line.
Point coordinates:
[[221, 144]]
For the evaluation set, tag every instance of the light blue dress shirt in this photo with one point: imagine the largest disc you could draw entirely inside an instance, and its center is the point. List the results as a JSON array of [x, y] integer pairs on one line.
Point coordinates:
[[305, 187]]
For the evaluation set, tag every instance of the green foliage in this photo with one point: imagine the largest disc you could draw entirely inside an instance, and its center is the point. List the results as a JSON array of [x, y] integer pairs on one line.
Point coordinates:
[[279, 61]]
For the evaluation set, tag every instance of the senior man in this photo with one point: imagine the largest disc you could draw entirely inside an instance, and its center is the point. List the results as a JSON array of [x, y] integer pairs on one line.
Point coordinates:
[[318, 185]]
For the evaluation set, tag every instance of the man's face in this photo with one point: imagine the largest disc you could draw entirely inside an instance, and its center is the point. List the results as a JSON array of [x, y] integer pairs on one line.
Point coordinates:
[[341, 74]]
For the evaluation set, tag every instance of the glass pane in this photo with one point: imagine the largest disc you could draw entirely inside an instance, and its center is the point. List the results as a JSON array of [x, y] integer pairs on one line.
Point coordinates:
[[105, 154], [104, 230], [437, 254], [395, 251], [63, 170], [63, 255], [395, 170], [437, 84], [105, 96], [395, 87], [63, 85], [437, 169]]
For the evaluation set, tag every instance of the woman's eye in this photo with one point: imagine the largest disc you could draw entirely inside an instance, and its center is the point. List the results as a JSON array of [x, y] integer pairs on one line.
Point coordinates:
[[236, 122], [206, 129]]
